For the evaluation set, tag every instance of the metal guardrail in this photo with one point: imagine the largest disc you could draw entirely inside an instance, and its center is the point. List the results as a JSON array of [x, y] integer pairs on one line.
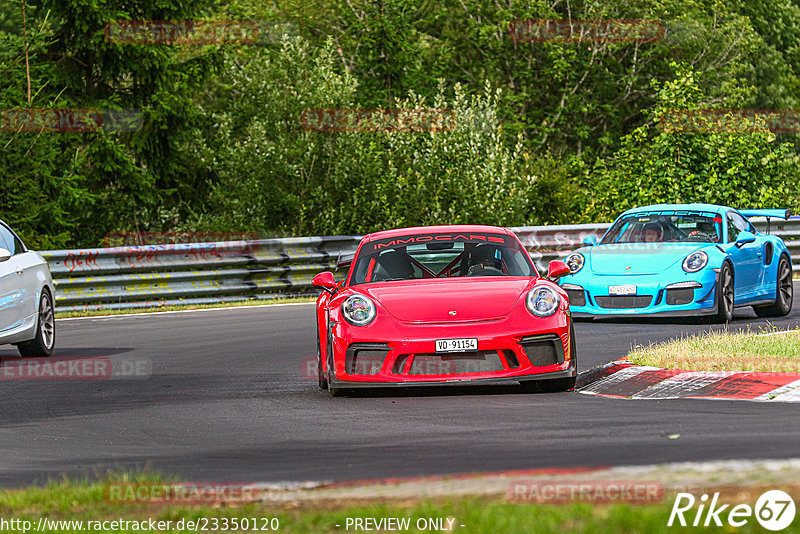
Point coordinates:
[[547, 243], [204, 273], [196, 273]]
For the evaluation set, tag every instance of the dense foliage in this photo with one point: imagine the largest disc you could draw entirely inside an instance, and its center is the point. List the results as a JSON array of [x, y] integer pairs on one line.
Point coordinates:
[[540, 133]]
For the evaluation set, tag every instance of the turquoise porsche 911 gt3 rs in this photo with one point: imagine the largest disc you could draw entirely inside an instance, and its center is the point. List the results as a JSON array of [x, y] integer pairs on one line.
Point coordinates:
[[681, 259]]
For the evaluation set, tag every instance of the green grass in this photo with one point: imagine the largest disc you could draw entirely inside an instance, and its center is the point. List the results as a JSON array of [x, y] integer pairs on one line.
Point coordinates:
[[238, 304], [491, 515], [724, 351]]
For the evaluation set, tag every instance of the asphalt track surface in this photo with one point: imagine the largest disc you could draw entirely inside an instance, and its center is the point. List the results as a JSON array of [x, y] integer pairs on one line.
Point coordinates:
[[226, 401]]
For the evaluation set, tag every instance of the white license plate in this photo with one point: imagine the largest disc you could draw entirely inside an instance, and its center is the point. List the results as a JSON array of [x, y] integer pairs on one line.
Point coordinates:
[[469, 344], [622, 290]]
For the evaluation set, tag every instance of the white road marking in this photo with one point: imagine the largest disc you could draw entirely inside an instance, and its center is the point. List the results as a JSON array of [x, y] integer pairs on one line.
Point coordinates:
[[221, 308], [786, 393], [683, 384], [611, 380], [778, 333]]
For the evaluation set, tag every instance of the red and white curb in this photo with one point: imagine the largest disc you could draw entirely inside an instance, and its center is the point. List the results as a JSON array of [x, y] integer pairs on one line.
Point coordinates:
[[672, 476], [622, 379]]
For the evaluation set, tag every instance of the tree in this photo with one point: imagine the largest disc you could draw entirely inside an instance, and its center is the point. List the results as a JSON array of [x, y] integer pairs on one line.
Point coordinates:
[[74, 187], [658, 164]]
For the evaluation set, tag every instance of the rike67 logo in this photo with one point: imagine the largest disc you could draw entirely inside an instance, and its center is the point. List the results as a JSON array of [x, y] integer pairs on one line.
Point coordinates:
[[774, 510]]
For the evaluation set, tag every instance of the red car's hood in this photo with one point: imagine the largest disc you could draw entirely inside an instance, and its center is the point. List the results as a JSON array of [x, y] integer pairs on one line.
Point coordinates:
[[472, 299]]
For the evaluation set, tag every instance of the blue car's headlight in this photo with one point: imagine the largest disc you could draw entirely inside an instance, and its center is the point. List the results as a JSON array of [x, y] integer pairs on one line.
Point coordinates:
[[542, 301], [358, 310], [575, 262], [695, 261]]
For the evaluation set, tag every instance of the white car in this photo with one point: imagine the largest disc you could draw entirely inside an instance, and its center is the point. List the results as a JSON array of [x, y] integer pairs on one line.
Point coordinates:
[[27, 308]]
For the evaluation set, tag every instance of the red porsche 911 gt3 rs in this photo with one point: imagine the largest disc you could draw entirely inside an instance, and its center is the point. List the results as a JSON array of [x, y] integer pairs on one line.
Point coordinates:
[[444, 305]]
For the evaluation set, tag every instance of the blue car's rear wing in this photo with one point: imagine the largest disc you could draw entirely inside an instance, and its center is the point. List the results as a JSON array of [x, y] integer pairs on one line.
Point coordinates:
[[769, 214], [779, 214]]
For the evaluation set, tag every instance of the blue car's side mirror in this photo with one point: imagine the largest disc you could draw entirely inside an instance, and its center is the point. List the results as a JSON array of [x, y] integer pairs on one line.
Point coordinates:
[[590, 240], [744, 238]]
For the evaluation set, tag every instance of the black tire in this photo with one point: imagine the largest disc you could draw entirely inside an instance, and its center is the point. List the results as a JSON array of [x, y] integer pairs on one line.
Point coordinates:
[[784, 293], [321, 379], [339, 392], [555, 385], [333, 391], [725, 294], [45, 341]]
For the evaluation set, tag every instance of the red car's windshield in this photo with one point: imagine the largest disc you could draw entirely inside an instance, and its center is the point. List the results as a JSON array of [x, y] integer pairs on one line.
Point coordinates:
[[440, 256]]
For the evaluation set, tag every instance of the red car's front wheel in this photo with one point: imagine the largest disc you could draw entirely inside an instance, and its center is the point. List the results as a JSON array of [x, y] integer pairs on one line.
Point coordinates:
[[555, 385], [323, 381], [334, 391]]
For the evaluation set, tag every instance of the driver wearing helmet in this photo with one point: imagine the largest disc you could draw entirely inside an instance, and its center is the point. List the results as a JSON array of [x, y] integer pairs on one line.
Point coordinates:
[[652, 232], [485, 258], [707, 229]]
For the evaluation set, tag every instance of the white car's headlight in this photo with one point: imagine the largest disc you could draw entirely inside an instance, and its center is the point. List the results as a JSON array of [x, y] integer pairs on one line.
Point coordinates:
[[695, 261], [358, 310], [575, 262], [542, 301]]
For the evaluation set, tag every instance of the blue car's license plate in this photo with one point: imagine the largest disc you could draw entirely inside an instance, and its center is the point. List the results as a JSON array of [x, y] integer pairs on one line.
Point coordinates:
[[622, 290]]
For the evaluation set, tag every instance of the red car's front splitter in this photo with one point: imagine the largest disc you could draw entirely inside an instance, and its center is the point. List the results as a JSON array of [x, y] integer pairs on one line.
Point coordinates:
[[570, 372]]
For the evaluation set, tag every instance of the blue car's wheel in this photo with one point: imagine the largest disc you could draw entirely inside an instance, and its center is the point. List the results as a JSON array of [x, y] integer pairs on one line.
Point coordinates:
[[784, 293], [725, 293]]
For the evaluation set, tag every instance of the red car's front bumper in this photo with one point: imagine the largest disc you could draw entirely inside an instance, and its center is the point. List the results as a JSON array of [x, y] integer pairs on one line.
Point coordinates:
[[394, 353]]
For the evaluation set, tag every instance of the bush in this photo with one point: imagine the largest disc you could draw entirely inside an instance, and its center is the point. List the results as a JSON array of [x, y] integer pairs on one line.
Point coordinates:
[[277, 178]]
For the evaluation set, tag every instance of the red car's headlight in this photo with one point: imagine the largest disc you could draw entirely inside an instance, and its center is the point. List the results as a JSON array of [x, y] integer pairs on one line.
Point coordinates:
[[359, 310], [542, 301]]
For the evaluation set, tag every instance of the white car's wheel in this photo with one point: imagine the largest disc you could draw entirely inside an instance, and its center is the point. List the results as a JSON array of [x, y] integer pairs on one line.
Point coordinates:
[[45, 340]]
